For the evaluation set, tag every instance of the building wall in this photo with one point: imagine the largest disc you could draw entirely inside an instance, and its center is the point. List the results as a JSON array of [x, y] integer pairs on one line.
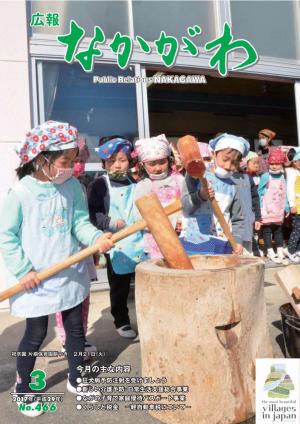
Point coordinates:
[[15, 116], [14, 89]]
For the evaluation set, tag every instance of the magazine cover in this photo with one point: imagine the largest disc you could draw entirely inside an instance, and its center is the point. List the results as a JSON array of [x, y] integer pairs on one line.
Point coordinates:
[[150, 212]]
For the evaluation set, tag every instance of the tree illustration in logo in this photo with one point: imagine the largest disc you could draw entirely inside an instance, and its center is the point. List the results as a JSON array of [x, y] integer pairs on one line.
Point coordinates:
[[278, 383]]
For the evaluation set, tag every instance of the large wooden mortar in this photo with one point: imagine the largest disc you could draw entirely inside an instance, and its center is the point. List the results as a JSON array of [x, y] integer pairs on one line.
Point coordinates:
[[203, 328]]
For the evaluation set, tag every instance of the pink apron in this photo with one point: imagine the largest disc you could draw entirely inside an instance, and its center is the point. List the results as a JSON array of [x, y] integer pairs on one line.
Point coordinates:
[[273, 203], [166, 195]]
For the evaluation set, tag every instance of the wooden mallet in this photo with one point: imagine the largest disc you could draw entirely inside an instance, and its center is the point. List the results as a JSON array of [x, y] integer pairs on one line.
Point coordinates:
[[193, 163], [163, 232], [83, 254], [296, 292]]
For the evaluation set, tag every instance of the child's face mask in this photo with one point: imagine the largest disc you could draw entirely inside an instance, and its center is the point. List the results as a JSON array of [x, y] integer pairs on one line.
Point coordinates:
[[61, 176], [118, 175], [157, 169], [275, 168], [160, 176], [79, 168], [275, 172], [222, 173], [263, 142], [226, 161]]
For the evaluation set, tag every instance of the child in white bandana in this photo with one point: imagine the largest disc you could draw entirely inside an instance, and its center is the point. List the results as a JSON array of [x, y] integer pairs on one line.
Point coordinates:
[[155, 157], [204, 233]]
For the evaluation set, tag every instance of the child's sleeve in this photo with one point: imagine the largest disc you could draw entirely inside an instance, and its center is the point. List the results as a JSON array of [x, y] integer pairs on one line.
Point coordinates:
[[82, 228], [96, 193], [237, 218], [262, 187], [11, 249], [255, 200], [287, 205], [190, 197], [290, 187], [142, 188]]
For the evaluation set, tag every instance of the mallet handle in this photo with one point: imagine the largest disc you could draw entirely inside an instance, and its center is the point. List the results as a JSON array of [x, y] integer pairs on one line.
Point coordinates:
[[219, 214], [88, 251], [296, 292], [163, 232], [194, 165]]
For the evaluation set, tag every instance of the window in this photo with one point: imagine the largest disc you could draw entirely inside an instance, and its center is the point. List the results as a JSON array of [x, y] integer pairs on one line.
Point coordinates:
[[271, 26], [69, 94], [111, 16], [174, 17]]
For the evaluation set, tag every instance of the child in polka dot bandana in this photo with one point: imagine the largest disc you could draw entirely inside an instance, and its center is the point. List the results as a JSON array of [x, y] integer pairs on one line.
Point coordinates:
[[111, 208]]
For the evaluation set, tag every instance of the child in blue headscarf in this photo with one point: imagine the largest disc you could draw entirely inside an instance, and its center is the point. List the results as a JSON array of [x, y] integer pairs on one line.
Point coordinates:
[[110, 199]]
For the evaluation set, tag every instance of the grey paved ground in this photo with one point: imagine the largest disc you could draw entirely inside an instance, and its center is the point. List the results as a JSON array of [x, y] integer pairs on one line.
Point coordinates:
[[117, 351]]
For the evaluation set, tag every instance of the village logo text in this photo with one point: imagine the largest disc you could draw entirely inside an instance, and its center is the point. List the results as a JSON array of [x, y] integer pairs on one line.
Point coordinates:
[[277, 391], [155, 79]]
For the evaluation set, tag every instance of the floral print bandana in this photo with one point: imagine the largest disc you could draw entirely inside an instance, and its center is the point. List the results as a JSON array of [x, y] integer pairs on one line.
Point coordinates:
[[49, 136]]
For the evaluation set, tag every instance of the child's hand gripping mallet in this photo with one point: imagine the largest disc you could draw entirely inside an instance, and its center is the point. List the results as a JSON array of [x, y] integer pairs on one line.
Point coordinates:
[[83, 254], [164, 234], [194, 165]]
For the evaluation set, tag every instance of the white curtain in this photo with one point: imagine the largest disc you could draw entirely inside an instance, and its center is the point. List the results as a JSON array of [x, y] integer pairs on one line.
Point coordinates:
[[51, 74]]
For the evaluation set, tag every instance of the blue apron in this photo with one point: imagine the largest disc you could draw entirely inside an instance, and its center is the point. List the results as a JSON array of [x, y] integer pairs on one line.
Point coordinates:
[[46, 238], [128, 252], [198, 238]]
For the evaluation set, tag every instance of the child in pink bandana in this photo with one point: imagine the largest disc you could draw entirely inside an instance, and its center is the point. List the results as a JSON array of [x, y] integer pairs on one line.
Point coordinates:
[[274, 205]]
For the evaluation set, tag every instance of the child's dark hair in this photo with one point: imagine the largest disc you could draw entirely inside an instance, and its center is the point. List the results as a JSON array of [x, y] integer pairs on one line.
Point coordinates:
[[291, 154], [239, 157], [30, 167], [103, 140]]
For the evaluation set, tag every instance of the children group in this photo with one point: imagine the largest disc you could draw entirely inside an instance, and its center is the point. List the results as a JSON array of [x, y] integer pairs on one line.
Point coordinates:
[[48, 215]]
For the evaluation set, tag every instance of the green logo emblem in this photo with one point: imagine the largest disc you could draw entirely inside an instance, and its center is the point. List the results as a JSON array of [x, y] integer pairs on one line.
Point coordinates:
[[278, 383]]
